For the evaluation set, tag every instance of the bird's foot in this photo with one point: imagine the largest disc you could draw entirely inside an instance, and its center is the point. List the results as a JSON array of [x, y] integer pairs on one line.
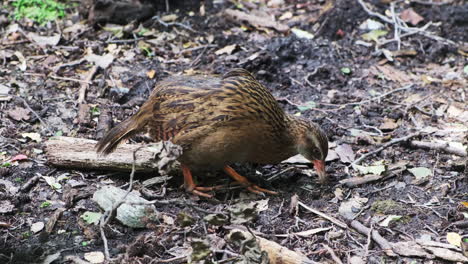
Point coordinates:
[[245, 182], [201, 191], [190, 186]]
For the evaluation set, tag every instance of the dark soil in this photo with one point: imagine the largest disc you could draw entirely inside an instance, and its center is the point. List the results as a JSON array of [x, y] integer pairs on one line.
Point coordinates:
[[297, 71]]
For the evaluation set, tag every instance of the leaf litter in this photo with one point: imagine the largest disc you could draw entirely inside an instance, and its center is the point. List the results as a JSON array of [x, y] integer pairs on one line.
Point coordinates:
[[306, 52]]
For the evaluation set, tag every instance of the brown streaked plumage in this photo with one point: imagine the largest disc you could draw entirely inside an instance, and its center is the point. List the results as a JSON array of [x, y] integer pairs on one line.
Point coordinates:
[[220, 121]]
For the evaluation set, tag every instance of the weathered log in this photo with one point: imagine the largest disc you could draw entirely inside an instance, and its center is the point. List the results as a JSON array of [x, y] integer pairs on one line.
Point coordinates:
[[276, 253], [80, 153]]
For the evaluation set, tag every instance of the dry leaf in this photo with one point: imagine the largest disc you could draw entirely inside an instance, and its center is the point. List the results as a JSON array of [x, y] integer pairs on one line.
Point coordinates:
[[19, 113], [454, 238], [45, 40], [409, 15], [302, 34], [388, 125], [151, 74], [256, 21], [169, 18], [94, 257], [286, 15], [226, 50], [391, 73], [34, 136], [345, 152], [102, 61]]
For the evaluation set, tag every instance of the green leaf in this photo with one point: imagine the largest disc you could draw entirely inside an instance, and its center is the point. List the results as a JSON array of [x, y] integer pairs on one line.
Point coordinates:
[[465, 69], [306, 106], [45, 204], [91, 217], [377, 169], [420, 173], [217, 219], [346, 70], [374, 35], [201, 249]]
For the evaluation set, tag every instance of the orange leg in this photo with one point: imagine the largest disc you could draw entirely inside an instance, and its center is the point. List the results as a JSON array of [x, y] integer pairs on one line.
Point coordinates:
[[190, 186], [245, 182]]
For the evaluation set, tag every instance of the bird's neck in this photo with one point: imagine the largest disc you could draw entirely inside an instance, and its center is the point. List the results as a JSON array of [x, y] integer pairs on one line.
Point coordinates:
[[296, 126]]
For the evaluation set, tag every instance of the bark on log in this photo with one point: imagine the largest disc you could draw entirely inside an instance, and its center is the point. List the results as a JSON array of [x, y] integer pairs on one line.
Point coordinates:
[[80, 153], [277, 254]]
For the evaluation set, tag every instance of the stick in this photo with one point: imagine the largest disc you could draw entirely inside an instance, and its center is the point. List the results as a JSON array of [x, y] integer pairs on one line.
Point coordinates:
[[382, 242], [110, 214], [329, 218], [68, 79], [330, 251], [85, 84], [440, 146], [384, 146], [34, 112], [406, 28]]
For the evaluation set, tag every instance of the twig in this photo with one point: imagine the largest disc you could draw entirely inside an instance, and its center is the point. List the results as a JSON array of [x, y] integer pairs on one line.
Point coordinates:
[[330, 251], [369, 240], [34, 112], [198, 57], [68, 79], [384, 146], [123, 41], [279, 173], [356, 181], [85, 84], [406, 28], [199, 47], [173, 24], [440, 146], [432, 3], [110, 214], [329, 218], [381, 241], [171, 259], [68, 64], [381, 96], [396, 32]]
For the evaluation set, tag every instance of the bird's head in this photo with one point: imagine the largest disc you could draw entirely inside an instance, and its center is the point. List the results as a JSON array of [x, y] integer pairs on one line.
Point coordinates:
[[312, 143]]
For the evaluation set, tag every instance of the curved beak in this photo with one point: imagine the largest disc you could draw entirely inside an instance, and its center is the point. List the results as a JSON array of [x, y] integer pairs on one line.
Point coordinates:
[[320, 168]]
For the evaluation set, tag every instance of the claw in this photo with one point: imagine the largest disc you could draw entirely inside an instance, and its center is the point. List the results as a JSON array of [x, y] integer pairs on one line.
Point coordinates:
[[245, 182]]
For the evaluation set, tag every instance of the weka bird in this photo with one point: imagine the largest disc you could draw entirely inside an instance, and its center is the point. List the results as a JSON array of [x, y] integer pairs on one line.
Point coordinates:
[[220, 121]]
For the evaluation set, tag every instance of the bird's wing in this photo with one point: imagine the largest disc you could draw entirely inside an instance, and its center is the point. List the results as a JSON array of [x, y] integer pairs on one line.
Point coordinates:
[[189, 107]]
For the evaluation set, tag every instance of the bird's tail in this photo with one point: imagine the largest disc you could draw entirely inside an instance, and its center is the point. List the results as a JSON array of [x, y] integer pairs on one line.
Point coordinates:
[[122, 131]]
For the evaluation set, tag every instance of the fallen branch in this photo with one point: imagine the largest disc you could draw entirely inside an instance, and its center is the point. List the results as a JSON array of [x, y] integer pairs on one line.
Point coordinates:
[[330, 251], [440, 146], [277, 254], [329, 218], [356, 181], [384, 146], [85, 84], [381, 241], [80, 153]]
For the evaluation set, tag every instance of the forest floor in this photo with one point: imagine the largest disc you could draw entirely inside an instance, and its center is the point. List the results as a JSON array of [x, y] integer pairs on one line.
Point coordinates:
[[398, 95]]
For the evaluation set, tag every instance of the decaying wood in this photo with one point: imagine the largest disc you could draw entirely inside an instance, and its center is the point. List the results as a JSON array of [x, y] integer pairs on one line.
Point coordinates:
[[80, 153], [277, 254], [440, 146]]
